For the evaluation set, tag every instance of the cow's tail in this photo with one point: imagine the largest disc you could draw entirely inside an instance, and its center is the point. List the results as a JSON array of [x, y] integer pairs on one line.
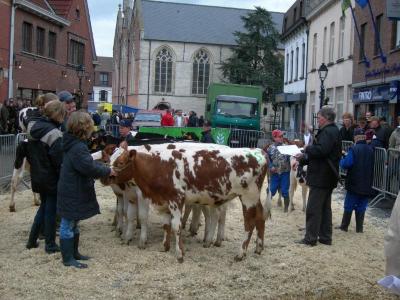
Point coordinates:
[[266, 199]]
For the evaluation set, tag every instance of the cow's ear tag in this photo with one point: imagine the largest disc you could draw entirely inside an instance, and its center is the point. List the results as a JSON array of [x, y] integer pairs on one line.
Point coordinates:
[[132, 153]]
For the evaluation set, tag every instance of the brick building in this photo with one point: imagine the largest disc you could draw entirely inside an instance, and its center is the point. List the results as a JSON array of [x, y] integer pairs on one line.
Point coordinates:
[[52, 40], [375, 88], [102, 85], [5, 17]]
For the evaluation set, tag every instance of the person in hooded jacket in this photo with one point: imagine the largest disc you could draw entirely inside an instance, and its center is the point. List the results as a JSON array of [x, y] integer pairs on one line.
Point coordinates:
[[44, 153], [359, 162], [75, 191]]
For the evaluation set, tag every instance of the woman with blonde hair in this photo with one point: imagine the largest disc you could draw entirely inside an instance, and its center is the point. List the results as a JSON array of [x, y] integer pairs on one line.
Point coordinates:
[[44, 153], [346, 133], [76, 194]]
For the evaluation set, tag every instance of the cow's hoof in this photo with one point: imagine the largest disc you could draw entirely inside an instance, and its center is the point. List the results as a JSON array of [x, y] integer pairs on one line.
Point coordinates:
[[258, 251], [207, 244], [218, 243], [142, 245], [166, 248], [12, 208], [239, 258], [180, 260]]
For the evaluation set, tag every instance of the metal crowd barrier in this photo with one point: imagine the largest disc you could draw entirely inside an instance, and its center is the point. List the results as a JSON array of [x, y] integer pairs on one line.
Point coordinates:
[[393, 172], [379, 177], [246, 138], [8, 148]]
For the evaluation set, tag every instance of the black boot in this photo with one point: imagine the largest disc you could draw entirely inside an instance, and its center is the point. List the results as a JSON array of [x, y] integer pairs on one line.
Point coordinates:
[[33, 236], [286, 202], [67, 252], [360, 221], [77, 255], [346, 219]]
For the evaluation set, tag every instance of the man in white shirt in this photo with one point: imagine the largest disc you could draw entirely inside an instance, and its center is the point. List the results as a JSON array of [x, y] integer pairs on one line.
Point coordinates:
[[179, 119]]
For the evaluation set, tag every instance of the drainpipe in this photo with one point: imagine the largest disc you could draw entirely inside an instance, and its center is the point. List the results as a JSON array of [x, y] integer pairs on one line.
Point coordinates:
[[11, 61], [306, 73], [148, 79]]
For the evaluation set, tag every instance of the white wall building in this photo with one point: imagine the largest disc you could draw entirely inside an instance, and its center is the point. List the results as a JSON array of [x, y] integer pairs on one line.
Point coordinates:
[[330, 42], [102, 85], [294, 37]]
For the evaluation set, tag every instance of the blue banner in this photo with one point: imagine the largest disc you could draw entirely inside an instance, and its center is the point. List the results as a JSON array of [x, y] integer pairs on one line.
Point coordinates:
[[362, 3]]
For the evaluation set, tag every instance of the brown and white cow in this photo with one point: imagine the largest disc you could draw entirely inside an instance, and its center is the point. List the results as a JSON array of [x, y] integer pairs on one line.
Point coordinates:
[[171, 175]]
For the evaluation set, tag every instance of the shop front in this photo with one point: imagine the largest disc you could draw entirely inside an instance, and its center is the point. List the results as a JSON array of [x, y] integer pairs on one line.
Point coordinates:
[[381, 100], [294, 106]]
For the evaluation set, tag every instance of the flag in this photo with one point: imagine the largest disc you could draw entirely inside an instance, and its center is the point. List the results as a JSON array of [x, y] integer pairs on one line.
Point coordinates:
[[345, 5], [362, 3]]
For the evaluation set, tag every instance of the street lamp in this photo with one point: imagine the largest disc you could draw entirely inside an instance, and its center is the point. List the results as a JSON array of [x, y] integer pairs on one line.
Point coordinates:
[[80, 72], [323, 73]]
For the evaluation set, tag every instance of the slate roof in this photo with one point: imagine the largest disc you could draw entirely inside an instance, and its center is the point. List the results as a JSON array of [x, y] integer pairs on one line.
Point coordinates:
[[166, 21], [61, 7], [105, 64]]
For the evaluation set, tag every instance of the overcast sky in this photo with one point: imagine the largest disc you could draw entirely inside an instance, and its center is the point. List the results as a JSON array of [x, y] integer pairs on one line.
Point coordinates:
[[103, 14]]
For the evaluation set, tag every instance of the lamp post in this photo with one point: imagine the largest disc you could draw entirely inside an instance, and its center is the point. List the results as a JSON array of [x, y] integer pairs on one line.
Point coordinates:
[[80, 72], [323, 73]]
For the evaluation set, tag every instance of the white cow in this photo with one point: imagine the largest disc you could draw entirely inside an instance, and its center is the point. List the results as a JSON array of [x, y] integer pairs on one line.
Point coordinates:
[[297, 178]]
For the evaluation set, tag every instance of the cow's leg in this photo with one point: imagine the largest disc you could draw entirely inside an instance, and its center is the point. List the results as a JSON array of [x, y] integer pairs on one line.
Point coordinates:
[[27, 167], [260, 227], [120, 215], [221, 226], [195, 223], [131, 214], [207, 220], [15, 180], [249, 214], [176, 226], [143, 211], [214, 214], [292, 188], [125, 203], [188, 209], [166, 221], [304, 190]]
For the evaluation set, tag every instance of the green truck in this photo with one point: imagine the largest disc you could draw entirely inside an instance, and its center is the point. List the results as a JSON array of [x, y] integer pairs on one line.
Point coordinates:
[[234, 106]]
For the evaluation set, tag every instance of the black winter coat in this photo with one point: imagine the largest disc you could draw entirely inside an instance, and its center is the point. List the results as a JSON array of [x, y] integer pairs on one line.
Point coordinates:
[[347, 134], [326, 145], [76, 197], [206, 137], [44, 153]]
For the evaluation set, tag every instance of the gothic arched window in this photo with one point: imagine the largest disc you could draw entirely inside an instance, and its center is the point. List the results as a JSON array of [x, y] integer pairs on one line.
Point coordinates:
[[163, 71], [201, 72]]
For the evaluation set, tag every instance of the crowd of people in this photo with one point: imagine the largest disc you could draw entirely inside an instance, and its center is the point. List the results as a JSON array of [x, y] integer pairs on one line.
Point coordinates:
[[9, 110], [323, 155]]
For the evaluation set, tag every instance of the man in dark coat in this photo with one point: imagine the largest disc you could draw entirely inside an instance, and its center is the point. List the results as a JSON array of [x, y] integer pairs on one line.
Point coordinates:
[[322, 158], [206, 136], [193, 120], [381, 137]]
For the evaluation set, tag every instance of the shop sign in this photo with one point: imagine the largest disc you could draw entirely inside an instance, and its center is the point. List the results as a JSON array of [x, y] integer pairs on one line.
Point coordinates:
[[393, 9], [373, 94]]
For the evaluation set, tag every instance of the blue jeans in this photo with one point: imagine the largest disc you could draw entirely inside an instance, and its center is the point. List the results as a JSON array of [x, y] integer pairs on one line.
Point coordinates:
[[68, 229], [46, 216], [281, 181], [355, 202]]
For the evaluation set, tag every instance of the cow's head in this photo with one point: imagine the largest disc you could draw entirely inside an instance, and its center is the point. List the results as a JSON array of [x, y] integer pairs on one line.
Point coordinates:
[[107, 152], [122, 161]]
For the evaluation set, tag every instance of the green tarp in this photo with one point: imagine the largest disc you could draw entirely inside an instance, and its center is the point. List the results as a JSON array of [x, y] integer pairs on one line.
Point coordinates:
[[220, 135]]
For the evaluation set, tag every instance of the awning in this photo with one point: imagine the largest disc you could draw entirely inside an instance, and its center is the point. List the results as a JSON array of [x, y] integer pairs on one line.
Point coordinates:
[[291, 98]]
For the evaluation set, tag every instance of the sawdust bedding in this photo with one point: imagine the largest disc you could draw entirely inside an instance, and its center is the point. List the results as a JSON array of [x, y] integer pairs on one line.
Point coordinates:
[[347, 270]]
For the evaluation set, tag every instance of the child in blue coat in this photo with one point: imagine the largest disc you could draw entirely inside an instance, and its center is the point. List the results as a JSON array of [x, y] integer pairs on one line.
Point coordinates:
[[75, 191], [359, 162]]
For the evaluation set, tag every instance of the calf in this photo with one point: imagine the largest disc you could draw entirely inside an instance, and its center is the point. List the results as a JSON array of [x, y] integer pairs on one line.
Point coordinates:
[[297, 177], [171, 175]]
